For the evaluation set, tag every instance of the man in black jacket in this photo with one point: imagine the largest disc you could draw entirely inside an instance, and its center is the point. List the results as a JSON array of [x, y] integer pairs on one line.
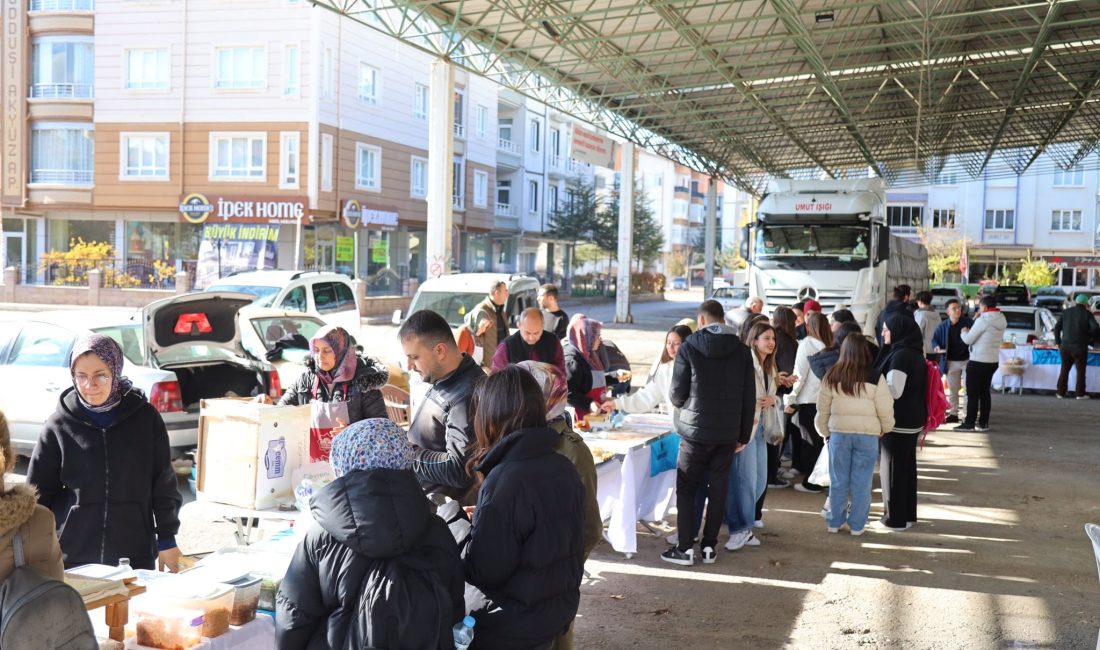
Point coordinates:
[[441, 431], [1073, 332], [530, 343], [714, 388]]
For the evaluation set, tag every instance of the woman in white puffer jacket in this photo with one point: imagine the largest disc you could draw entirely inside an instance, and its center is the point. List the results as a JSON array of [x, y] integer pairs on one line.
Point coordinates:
[[654, 394]]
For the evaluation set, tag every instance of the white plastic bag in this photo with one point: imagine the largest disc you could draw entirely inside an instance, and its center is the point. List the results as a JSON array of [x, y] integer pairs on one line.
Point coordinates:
[[772, 419], [820, 475]]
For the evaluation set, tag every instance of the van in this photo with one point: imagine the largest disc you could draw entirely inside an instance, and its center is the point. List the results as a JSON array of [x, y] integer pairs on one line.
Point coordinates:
[[328, 296], [453, 296]]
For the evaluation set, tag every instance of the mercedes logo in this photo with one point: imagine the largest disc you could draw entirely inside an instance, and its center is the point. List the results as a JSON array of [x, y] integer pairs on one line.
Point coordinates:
[[807, 293]]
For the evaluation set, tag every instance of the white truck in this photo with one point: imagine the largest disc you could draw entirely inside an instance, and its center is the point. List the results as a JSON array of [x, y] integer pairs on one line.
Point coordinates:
[[829, 241]]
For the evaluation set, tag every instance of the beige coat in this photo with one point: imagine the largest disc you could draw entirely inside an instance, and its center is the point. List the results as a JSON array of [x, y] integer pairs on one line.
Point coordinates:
[[870, 413], [482, 312], [19, 510]]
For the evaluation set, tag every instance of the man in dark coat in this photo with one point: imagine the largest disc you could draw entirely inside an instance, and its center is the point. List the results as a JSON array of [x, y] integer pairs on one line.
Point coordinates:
[[902, 294], [1075, 330], [555, 319], [531, 343], [714, 388]]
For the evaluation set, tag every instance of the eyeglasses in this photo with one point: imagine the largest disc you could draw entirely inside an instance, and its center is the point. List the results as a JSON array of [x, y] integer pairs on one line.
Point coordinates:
[[97, 380]]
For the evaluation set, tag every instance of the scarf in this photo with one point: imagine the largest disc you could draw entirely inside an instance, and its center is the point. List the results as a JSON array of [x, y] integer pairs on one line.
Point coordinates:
[[582, 332], [340, 342], [904, 333], [110, 353], [371, 444], [552, 381]]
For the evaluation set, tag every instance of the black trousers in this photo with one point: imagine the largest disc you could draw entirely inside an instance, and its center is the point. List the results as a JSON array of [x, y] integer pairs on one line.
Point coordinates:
[[979, 380], [775, 452], [695, 462], [1077, 358], [898, 472], [810, 450]]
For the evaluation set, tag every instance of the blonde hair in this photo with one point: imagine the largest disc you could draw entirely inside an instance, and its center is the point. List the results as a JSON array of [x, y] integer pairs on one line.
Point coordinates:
[[7, 452]]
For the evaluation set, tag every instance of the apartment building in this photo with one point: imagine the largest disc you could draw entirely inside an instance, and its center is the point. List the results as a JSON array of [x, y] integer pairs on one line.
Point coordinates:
[[1004, 217]]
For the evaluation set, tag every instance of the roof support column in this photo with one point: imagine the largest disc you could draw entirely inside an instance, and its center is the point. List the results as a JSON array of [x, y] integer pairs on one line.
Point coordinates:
[[440, 173], [626, 234], [709, 238]]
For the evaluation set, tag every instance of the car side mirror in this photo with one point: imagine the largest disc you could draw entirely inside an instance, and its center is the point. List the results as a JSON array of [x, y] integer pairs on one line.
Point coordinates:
[[396, 320]]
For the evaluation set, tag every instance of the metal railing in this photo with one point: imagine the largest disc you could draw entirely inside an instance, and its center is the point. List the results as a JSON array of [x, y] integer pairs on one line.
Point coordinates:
[[458, 201], [62, 176], [62, 5], [460, 131], [62, 91], [557, 163], [507, 146], [115, 273], [504, 210], [574, 166]]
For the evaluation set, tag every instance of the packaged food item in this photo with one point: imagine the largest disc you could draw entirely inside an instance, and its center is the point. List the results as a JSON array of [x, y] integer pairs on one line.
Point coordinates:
[[168, 628], [214, 600], [268, 588], [246, 597]]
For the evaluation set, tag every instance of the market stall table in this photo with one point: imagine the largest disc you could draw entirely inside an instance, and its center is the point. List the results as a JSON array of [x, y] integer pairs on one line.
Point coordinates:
[[112, 595], [257, 634], [1040, 369], [629, 486]]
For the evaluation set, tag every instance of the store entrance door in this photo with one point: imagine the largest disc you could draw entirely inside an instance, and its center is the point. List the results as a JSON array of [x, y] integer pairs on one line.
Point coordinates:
[[15, 252], [326, 249]]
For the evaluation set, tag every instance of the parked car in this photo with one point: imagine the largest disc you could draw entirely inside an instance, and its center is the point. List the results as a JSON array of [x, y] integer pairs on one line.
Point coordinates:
[[1012, 294], [178, 351], [1051, 298], [453, 296], [1027, 324], [328, 296], [731, 297], [940, 296], [679, 284]]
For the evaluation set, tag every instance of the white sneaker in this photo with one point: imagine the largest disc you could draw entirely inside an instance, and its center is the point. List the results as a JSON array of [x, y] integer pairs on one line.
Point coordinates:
[[738, 540], [1083, 397], [856, 533], [833, 530], [753, 540], [824, 513], [759, 523], [708, 555]]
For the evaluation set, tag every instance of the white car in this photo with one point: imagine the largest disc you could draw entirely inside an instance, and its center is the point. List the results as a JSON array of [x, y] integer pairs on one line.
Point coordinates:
[[453, 296], [328, 296], [177, 351], [1028, 325], [940, 296], [730, 297]]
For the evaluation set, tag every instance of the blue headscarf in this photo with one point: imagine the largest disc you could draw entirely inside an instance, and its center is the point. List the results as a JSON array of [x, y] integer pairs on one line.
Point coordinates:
[[371, 444]]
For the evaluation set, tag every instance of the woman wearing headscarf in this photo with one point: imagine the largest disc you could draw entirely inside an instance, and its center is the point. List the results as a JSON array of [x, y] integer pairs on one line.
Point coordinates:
[[103, 465], [21, 513], [379, 570], [901, 360], [586, 364]]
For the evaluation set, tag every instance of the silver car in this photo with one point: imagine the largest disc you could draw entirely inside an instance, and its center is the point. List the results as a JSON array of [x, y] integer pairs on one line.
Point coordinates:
[[940, 296], [731, 297]]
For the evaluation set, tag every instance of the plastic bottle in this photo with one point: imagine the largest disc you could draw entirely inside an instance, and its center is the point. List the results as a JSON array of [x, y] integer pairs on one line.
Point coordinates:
[[124, 569], [464, 633]]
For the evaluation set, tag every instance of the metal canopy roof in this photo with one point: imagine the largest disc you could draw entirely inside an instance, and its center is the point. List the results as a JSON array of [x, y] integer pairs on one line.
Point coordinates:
[[748, 89]]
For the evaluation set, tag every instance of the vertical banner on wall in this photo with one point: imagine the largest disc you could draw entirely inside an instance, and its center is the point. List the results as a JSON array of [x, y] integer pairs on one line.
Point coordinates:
[[13, 80], [230, 248]]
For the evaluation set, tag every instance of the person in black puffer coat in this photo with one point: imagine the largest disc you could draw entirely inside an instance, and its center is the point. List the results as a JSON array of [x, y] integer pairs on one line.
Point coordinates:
[[526, 547], [379, 570]]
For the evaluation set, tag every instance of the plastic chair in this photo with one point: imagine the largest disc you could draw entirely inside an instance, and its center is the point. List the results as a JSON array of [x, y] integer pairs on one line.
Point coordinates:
[[1093, 531], [397, 404]]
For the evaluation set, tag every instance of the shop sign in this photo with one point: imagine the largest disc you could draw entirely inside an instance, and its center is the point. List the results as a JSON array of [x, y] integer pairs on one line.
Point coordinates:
[[1075, 261], [199, 208], [233, 247], [13, 71], [380, 219], [351, 213], [345, 249], [593, 148], [380, 252]]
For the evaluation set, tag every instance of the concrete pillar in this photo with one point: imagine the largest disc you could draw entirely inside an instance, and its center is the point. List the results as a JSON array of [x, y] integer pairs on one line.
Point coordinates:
[[11, 278], [95, 282], [708, 237], [441, 118], [626, 235], [183, 282], [359, 289]]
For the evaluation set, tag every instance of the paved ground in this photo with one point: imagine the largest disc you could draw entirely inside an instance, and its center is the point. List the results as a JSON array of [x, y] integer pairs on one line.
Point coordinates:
[[998, 559]]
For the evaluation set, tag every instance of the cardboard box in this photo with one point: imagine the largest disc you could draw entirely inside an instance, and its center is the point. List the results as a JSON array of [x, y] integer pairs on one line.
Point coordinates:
[[248, 451]]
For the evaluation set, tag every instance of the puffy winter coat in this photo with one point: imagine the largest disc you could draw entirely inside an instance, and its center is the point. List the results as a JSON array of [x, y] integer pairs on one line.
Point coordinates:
[[1076, 328], [112, 490], [379, 570], [986, 336], [19, 511], [361, 393], [582, 379], [714, 387], [526, 550], [805, 390], [870, 413]]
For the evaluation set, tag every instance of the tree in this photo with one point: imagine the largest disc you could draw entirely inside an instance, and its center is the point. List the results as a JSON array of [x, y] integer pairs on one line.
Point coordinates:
[[1035, 273], [647, 237], [575, 220], [944, 248]]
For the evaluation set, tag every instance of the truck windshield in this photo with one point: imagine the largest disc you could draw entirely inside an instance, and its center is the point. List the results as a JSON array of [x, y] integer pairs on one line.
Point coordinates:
[[800, 246]]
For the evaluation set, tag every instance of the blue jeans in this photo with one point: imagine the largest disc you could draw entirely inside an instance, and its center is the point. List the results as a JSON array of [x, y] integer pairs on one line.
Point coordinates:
[[748, 480], [852, 459]]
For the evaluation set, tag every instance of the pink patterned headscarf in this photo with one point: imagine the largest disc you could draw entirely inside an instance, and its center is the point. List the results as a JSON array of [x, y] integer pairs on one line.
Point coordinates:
[[583, 331], [110, 352], [340, 342], [552, 381]]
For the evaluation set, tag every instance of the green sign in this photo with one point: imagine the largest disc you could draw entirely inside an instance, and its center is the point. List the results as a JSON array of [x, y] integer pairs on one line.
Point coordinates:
[[345, 249], [380, 252]]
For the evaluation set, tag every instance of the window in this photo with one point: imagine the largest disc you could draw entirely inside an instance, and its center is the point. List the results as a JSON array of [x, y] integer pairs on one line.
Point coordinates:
[[533, 199], [1073, 277], [147, 69], [326, 298], [1065, 221], [460, 108], [144, 156], [63, 67], [1000, 219], [504, 129], [1072, 177], [240, 68], [326, 73], [62, 153], [902, 216], [62, 5], [295, 300], [369, 78], [481, 189], [458, 177], [292, 71], [419, 186], [238, 156], [420, 102], [504, 193], [943, 218], [290, 156], [555, 142], [536, 138], [326, 162], [368, 167], [481, 121], [947, 178], [42, 345], [552, 199]]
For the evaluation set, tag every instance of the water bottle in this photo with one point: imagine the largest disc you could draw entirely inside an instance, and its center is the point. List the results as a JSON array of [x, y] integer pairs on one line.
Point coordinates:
[[464, 633], [124, 569]]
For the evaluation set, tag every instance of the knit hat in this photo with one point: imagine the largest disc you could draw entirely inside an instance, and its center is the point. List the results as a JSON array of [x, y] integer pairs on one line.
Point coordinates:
[[811, 305], [1081, 298], [371, 444]]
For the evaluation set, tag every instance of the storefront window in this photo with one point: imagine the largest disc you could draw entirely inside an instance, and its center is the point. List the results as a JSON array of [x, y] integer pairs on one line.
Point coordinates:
[[63, 232], [478, 249], [381, 278], [418, 261]]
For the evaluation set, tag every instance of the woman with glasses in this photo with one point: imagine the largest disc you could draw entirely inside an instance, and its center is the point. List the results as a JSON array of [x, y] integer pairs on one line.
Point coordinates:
[[655, 393], [102, 464]]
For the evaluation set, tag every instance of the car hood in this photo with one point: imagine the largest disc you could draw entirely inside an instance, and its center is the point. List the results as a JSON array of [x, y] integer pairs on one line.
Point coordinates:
[[178, 323]]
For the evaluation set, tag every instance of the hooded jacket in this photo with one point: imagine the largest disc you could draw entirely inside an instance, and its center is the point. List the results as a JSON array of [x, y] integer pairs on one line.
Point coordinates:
[[986, 336], [714, 387], [361, 393], [112, 490], [19, 511], [942, 339], [903, 364], [379, 570], [871, 412], [526, 550], [891, 307]]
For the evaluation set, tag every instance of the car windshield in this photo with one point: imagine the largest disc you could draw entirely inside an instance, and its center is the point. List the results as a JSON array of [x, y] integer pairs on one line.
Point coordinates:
[[264, 295], [1020, 320], [1049, 291], [944, 292], [451, 306], [729, 292], [1012, 291], [131, 340], [270, 330], [792, 246]]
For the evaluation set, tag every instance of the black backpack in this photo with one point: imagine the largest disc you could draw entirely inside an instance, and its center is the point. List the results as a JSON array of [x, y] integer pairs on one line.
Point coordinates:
[[37, 612]]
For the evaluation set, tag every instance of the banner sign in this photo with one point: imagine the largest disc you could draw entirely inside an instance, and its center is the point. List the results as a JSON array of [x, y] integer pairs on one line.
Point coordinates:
[[199, 208], [13, 72], [380, 219], [351, 213], [229, 248], [345, 249], [593, 148], [1075, 261], [380, 252]]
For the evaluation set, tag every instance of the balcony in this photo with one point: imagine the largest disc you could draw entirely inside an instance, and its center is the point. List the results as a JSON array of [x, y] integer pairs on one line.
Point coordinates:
[[460, 131], [458, 202], [507, 146], [62, 176], [574, 166], [504, 210], [62, 5], [62, 91]]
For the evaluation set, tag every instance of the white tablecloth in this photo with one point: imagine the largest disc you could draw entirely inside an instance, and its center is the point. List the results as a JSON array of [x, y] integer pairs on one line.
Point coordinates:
[[1044, 374], [258, 634]]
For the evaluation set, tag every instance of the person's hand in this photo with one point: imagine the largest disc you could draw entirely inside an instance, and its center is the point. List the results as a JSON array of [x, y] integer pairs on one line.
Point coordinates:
[[965, 329], [262, 398], [766, 402], [608, 406], [169, 560], [340, 426], [789, 410], [739, 448]]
